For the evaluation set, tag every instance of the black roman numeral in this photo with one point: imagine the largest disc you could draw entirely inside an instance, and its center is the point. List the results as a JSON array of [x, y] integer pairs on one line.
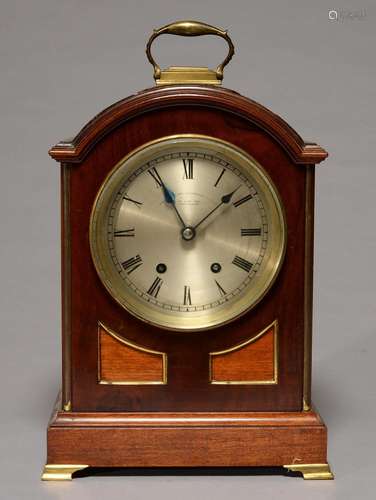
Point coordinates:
[[155, 287], [125, 233], [187, 296], [132, 264], [220, 177], [242, 263], [251, 232], [154, 173], [125, 197], [222, 292], [243, 200], [188, 168]]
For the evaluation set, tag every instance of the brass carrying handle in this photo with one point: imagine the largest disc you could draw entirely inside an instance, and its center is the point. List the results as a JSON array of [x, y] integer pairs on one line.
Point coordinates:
[[190, 28]]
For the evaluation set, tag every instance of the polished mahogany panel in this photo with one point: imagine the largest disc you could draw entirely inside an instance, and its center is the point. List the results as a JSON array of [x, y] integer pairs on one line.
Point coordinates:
[[120, 362], [254, 362]]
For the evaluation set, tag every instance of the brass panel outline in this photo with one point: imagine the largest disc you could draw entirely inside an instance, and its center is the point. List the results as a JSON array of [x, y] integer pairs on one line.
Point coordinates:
[[312, 471], [237, 347], [136, 347]]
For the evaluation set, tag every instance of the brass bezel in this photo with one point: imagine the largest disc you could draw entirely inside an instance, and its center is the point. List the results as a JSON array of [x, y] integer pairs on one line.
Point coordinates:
[[209, 319]]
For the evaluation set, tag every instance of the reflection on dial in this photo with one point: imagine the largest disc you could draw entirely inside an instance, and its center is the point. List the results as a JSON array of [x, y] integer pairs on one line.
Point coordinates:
[[154, 243]]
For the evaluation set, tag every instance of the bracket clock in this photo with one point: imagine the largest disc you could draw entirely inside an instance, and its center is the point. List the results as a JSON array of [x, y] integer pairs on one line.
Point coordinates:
[[187, 255]]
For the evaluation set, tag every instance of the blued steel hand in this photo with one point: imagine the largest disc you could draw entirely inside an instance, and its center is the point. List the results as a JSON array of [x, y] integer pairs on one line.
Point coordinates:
[[170, 199], [224, 200]]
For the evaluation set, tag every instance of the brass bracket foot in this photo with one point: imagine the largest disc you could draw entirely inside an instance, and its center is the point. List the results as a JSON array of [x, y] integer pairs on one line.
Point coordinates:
[[312, 471], [60, 472]]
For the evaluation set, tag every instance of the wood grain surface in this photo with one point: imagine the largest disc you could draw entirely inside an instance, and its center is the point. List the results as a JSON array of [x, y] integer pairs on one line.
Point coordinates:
[[186, 439], [252, 362], [121, 363], [75, 149]]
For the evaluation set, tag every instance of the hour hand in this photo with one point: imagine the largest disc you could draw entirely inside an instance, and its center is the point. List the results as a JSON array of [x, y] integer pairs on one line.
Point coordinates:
[[170, 197]]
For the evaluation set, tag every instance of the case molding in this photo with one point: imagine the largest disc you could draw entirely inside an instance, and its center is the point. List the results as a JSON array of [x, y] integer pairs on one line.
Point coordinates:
[[244, 439]]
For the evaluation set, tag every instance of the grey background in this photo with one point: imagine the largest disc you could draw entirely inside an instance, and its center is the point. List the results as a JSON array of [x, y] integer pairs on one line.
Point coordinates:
[[63, 61]]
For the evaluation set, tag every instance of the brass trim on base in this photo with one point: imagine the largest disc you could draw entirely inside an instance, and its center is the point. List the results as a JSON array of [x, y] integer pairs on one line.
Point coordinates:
[[67, 406], [60, 472], [312, 471]]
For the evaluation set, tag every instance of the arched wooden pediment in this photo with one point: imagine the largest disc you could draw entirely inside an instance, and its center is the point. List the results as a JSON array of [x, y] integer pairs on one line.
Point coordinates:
[[75, 150]]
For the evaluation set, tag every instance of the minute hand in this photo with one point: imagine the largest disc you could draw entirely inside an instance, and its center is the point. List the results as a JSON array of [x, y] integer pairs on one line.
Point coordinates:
[[224, 200]]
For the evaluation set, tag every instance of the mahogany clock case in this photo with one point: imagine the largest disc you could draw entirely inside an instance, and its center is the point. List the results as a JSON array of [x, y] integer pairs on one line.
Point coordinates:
[[186, 419], [87, 160]]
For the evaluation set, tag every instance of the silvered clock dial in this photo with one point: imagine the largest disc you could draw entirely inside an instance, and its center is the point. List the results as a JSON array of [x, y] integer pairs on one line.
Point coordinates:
[[187, 232]]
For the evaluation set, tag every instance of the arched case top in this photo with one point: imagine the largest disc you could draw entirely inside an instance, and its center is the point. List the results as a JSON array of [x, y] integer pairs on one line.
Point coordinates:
[[74, 150]]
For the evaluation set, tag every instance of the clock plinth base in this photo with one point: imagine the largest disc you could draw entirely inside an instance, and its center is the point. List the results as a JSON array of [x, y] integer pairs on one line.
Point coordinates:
[[161, 439]]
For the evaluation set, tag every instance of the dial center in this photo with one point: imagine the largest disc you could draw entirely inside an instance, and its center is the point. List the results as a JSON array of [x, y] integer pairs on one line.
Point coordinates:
[[188, 233]]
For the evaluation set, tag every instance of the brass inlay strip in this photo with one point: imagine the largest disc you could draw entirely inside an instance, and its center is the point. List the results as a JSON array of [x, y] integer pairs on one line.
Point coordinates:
[[137, 348], [67, 406], [274, 380], [66, 292], [308, 284]]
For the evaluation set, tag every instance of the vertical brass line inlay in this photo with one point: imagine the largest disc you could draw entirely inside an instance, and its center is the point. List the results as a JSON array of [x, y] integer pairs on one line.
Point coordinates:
[[66, 285], [308, 285]]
